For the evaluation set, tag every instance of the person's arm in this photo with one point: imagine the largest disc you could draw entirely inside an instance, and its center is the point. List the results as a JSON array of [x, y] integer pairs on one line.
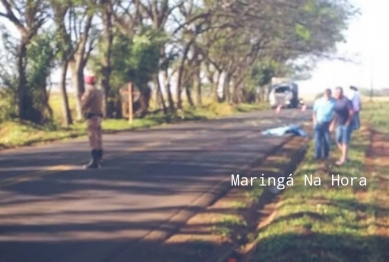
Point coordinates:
[[85, 100], [314, 120], [350, 113], [333, 123], [334, 119]]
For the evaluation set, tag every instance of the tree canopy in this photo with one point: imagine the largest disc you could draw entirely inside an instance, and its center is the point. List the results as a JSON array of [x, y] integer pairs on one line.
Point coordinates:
[[174, 46]]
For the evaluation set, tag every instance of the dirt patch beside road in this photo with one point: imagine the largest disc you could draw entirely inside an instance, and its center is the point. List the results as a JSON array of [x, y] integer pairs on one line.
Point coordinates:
[[377, 163]]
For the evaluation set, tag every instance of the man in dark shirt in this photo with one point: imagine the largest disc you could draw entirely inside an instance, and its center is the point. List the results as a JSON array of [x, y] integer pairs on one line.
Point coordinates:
[[343, 117]]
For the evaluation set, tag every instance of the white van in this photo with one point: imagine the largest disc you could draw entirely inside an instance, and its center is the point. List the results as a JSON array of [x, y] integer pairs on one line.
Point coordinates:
[[285, 95]]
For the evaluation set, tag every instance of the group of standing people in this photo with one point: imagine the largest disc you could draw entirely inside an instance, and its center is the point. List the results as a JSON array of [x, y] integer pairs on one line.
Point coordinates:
[[330, 112], [339, 112]]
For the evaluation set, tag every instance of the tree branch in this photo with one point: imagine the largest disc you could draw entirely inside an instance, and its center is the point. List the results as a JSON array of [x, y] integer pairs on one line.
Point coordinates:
[[11, 16]]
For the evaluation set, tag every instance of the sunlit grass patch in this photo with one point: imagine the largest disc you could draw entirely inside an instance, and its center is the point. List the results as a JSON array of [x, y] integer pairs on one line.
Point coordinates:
[[226, 224], [14, 133]]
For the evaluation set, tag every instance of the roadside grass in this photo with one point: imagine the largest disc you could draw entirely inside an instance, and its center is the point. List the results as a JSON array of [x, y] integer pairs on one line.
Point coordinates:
[[376, 113], [327, 222], [226, 225], [21, 133], [331, 222]]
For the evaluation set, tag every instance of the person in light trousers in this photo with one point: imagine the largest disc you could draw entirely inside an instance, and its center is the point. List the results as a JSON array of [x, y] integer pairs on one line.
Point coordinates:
[[92, 107]]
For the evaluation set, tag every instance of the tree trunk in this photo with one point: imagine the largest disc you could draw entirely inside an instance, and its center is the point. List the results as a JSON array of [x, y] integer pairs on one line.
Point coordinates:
[[160, 95], [22, 81], [169, 92], [77, 65], [211, 80], [226, 87], [181, 73], [78, 84], [144, 101], [179, 89], [266, 91], [237, 93], [67, 117], [216, 94], [189, 95], [234, 97], [199, 100], [106, 58]]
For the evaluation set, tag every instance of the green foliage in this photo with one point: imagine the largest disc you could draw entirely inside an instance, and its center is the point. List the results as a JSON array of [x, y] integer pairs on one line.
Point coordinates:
[[262, 75], [303, 32], [41, 55], [7, 102], [134, 59], [248, 41], [143, 62], [8, 76]]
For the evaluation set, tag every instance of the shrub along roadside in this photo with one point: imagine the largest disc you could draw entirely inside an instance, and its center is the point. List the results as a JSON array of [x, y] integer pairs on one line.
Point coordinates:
[[15, 134]]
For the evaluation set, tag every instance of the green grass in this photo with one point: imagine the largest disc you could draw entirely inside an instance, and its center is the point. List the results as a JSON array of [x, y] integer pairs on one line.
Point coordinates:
[[16, 134], [377, 113], [225, 225], [330, 223], [320, 223]]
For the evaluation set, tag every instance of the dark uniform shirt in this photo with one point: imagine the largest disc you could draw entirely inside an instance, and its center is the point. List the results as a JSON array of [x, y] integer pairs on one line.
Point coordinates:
[[342, 110]]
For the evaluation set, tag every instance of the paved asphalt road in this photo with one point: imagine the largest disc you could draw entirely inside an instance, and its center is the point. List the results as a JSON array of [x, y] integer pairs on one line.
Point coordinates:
[[51, 210]]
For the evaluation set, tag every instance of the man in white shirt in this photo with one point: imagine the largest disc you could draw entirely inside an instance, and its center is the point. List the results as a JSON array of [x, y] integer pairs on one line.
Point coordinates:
[[356, 101]]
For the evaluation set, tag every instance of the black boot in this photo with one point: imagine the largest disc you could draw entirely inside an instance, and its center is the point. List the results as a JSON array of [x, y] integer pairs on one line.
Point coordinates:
[[94, 162], [100, 156]]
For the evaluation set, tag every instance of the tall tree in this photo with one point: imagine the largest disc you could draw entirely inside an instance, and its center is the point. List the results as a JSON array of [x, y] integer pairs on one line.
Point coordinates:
[[28, 16]]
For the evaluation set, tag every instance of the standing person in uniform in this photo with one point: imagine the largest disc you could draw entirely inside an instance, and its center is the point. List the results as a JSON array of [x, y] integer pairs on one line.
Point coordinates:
[[92, 108], [343, 120], [357, 107], [322, 117]]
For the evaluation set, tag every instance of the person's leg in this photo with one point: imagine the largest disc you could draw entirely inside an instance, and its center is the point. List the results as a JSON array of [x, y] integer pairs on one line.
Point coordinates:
[[92, 132], [338, 139], [344, 141], [347, 139], [357, 121], [318, 141], [100, 141], [326, 141]]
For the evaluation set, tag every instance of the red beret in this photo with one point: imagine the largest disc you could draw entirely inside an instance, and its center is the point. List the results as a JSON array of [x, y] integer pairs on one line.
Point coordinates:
[[89, 80]]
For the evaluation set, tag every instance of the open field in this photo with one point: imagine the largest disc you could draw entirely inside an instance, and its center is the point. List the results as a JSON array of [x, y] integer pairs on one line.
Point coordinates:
[[376, 99]]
